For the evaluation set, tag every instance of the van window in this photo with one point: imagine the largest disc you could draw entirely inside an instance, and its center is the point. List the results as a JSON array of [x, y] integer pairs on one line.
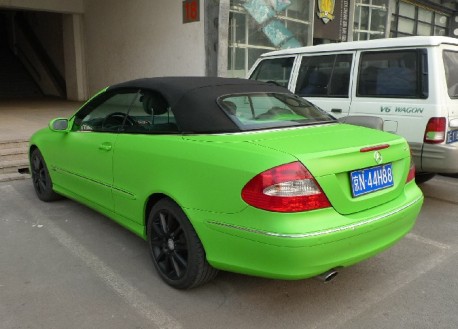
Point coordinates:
[[324, 76], [276, 70], [451, 72], [392, 74]]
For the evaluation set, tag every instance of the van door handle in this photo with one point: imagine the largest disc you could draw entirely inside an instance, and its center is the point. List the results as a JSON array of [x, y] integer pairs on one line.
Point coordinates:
[[105, 146], [336, 110]]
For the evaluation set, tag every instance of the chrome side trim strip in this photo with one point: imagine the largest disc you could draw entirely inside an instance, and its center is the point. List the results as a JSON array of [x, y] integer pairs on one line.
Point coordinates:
[[110, 186], [64, 171], [317, 233]]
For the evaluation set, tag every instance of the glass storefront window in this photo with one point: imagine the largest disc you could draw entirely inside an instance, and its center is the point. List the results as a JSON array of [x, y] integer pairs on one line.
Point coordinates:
[[370, 19], [406, 25], [439, 31], [409, 19], [423, 29], [406, 10], [259, 26], [441, 20], [425, 15]]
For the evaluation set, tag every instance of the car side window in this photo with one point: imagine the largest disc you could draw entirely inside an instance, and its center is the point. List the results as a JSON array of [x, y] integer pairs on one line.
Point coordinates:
[[107, 113], [324, 76], [392, 74], [277, 70], [127, 112], [151, 114]]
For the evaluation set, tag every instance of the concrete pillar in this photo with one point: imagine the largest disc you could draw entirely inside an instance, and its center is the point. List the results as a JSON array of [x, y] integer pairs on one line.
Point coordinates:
[[75, 60], [223, 40]]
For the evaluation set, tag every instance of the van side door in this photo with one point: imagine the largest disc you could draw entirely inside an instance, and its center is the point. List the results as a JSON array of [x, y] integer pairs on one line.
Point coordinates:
[[325, 80], [393, 84]]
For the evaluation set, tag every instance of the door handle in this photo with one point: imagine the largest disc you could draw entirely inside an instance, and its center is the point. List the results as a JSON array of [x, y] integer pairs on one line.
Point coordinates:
[[105, 146], [336, 110]]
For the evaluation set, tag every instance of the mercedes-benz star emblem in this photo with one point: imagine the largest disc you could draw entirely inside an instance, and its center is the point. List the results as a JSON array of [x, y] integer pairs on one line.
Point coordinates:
[[378, 157]]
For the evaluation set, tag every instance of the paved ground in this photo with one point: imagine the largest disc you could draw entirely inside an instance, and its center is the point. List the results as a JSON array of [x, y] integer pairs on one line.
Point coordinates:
[[20, 118], [64, 266]]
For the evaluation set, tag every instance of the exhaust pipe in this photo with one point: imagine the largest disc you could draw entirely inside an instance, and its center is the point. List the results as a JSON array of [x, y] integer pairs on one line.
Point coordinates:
[[327, 276]]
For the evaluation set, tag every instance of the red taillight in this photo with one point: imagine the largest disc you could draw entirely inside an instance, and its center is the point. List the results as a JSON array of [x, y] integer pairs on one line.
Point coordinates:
[[435, 131], [287, 188], [411, 175]]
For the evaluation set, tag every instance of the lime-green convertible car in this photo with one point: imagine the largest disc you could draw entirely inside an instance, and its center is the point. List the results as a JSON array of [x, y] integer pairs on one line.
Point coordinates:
[[230, 174]]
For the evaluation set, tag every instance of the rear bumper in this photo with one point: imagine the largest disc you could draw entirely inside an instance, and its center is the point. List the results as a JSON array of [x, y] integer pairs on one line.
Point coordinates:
[[436, 158], [285, 254]]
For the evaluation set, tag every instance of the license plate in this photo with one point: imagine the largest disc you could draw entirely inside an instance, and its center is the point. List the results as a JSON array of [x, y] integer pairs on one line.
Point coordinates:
[[452, 136], [371, 179]]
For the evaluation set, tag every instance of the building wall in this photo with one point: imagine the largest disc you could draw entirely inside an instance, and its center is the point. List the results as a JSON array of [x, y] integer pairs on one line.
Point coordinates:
[[142, 38], [60, 6]]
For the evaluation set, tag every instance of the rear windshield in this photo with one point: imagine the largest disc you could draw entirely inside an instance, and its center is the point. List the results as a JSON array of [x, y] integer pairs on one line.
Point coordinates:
[[451, 72], [271, 110]]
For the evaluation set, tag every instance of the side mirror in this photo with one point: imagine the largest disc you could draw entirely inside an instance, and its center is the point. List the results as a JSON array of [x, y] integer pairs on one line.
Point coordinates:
[[59, 124], [453, 123]]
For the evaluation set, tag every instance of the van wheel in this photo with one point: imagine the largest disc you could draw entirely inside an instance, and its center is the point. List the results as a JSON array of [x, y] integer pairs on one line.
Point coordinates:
[[423, 177], [177, 252]]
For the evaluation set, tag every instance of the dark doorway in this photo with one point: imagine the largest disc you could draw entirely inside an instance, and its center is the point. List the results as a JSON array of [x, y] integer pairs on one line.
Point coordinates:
[[31, 53]]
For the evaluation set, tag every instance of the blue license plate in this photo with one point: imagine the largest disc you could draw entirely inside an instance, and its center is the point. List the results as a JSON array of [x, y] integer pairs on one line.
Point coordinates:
[[452, 136], [371, 179]]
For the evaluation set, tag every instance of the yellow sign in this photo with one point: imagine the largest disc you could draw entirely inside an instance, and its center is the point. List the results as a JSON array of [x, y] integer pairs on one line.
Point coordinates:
[[326, 10]]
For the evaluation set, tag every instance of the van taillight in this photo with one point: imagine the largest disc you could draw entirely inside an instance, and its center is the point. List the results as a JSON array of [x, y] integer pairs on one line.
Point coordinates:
[[286, 188], [435, 131]]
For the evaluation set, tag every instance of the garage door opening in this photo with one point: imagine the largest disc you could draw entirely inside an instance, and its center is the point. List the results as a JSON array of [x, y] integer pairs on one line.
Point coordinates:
[[32, 54]]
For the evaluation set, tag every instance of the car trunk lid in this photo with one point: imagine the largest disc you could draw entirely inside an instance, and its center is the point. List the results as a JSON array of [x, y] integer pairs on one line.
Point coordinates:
[[332, 152]]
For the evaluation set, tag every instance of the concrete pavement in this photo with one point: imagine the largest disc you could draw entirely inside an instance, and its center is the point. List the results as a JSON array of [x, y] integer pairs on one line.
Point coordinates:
[[63, 265], [20, 118]]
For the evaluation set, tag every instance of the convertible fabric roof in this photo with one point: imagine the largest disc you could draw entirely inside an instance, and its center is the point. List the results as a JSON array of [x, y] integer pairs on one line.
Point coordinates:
[[193, 100]]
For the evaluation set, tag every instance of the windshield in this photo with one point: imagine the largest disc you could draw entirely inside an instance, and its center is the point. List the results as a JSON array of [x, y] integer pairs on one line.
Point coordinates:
[[276, 70], [451, 72], [271, 110]]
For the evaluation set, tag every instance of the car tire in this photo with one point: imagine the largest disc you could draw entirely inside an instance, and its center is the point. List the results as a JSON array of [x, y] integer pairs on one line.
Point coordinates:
[[176, 250], [423, 177], [41, 179]]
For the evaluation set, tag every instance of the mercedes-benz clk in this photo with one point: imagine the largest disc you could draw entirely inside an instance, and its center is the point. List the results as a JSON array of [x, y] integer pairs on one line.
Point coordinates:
[[230, 174]]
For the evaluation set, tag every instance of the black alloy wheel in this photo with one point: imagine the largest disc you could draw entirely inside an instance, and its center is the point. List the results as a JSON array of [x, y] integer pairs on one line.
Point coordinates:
[[40, 177], [175, 248]]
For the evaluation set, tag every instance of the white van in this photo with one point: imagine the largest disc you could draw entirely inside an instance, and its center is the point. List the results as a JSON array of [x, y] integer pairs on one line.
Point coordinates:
[[410, 82]]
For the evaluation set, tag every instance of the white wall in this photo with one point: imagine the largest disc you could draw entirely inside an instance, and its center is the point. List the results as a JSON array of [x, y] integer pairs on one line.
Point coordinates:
[[141, 38]]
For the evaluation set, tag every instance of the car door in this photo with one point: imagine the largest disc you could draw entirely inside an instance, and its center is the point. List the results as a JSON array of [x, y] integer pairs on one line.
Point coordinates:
[[325, 80], [84, 164], [141, 150]]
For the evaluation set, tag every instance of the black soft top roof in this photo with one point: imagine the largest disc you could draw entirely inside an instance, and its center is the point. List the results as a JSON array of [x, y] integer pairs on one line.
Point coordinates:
[[193, 100]]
